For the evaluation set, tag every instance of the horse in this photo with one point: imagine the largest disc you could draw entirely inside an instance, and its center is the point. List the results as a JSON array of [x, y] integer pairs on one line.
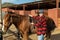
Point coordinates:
[[20, 21], [50, 27]]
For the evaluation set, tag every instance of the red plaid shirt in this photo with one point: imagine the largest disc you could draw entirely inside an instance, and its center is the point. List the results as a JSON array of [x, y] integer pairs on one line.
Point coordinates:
[[41, 24]]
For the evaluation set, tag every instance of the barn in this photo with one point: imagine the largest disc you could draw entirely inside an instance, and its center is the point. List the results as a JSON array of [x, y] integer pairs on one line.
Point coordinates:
[[51, 9]]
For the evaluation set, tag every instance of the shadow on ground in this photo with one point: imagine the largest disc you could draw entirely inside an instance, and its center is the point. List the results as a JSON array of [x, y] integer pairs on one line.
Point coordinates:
[[55, 37]]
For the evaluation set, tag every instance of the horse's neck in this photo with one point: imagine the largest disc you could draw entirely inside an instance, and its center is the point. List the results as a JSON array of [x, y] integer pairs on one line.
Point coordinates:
[[17, 19]]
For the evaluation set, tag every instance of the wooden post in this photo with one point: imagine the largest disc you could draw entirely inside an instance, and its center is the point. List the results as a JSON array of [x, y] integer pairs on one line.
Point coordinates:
[[0, 20], [57, 3], [24, 9], [15, 9], [37, 6], [0, 13]]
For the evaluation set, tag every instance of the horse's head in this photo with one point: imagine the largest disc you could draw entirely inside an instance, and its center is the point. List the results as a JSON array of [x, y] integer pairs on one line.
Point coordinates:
[[6, 22]]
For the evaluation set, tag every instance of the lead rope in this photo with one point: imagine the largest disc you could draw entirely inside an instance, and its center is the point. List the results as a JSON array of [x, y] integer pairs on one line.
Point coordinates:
[[11, 19]]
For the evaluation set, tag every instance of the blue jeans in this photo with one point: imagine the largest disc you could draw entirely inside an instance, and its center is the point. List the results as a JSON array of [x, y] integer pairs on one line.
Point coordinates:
[[41, 37]]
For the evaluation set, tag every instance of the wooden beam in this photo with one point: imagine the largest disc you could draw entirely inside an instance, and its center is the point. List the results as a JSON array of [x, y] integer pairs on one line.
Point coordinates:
[[57, 3]]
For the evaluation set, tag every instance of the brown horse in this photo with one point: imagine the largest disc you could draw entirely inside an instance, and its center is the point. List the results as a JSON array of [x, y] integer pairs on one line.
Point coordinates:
[[20, 21]]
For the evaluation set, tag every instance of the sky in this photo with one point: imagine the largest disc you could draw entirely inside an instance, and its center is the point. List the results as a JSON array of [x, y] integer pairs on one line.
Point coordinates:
[[17, 1]]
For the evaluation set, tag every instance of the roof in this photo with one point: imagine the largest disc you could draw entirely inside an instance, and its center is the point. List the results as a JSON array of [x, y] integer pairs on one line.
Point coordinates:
[[33, 5]]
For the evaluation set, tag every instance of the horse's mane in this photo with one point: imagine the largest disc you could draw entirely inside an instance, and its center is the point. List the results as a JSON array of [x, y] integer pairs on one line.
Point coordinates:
[[13, 14]]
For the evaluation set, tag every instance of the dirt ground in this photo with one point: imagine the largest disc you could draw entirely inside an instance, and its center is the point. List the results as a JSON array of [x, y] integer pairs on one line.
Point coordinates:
[[12, 36]]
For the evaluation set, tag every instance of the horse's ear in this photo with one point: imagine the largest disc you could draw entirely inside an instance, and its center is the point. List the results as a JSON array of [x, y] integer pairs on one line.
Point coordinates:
[[46, 17]]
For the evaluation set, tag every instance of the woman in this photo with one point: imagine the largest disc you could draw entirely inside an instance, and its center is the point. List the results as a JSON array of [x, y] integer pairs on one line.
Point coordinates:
[[40, 24]]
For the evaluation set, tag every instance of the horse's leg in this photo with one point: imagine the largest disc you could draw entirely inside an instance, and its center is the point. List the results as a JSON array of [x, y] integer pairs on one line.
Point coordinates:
[[25, 36], [19, 34], [48, 35]]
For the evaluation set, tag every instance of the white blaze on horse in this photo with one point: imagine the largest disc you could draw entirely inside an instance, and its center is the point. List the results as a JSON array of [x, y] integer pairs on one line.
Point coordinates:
[[3, 27]]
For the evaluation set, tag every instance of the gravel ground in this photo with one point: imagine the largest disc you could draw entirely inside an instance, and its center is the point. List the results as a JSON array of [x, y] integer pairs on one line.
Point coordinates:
[[10, 36]]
